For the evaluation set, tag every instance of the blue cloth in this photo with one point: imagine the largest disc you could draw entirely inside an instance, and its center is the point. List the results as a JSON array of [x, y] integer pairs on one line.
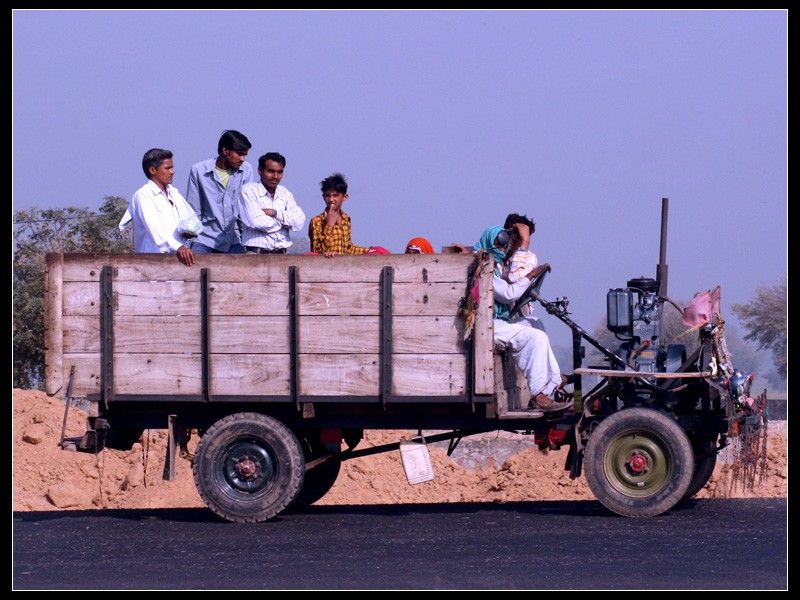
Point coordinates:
[[217, 205], [487, 243], [501, 311]]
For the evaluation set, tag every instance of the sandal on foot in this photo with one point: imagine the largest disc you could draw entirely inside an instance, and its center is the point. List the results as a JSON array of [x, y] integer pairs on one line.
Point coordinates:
[[547, 404]]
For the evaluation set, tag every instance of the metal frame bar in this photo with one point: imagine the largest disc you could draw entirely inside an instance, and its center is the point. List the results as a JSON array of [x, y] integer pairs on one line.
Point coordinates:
[[294, 374], [387, 278], [107, 334], [469, 392], [204, 336]]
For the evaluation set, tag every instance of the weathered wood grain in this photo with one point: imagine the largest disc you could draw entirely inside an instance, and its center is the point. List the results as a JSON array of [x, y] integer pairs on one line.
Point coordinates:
[[268, 374], [265, 335], [408, 268], [53, 324], [157, 325]]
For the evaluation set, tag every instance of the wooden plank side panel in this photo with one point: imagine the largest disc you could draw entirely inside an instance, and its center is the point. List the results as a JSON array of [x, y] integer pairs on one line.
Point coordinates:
[[87, 373], [55, 376], [180, 374], [165, 298], [268, 374], [429, 375], [430, 299], [265, 335], [249, 374], [434, 335], [408, 268], [128, 267], [338, 375], [135, 334], [157, 338], [359, 375], [483, 335], [134, 298], [344, 299], [247, 299], [338, 299], [136, 374]]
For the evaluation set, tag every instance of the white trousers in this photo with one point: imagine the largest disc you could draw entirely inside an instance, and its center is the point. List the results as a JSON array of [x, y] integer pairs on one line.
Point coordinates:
[[530, 349], [530, 321]]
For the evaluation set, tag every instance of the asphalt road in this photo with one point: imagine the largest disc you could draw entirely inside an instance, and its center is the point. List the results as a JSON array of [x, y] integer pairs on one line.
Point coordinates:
[[731, 544]]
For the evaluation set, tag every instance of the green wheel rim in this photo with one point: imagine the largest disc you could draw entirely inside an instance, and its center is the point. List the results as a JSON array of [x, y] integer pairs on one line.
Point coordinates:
[[638, 464]]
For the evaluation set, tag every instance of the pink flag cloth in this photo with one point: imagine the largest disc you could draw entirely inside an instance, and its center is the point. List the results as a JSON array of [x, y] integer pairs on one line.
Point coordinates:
[[702, 308]]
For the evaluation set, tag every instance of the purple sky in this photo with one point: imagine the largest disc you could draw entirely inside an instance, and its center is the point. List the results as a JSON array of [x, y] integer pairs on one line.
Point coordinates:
[[443, 122]]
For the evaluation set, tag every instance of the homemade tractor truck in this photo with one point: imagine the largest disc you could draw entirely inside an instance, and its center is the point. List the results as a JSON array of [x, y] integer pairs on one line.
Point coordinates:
[[279, 363]]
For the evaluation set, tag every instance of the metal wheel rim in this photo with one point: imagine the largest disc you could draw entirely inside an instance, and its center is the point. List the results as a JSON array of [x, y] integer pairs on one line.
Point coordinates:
[[638, 447], [237, 460]]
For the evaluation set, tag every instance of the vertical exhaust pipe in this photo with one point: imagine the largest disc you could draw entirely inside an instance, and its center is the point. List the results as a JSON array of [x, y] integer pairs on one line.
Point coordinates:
[[662, 268]]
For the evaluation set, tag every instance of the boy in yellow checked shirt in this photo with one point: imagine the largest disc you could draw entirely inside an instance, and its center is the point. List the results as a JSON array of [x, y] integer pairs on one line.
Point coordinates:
[[330, 232]]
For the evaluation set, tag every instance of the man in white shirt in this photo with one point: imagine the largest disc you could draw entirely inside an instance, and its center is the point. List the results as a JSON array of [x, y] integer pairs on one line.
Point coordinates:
[[268, 210], [157, 209], [520, 260]]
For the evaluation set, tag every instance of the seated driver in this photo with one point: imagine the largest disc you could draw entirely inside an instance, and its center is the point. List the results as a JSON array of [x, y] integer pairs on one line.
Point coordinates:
[[529, 347]]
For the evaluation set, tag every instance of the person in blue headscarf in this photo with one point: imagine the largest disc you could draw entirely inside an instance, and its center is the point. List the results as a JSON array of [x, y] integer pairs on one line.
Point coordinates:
[[529, 347]]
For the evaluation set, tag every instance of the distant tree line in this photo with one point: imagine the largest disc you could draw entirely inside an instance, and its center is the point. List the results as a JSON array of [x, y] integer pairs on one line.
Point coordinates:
[[766, 319], [37, 232]]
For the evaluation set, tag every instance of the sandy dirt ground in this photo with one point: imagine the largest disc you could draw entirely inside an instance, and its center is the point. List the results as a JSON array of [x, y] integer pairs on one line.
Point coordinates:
[[501, 467]]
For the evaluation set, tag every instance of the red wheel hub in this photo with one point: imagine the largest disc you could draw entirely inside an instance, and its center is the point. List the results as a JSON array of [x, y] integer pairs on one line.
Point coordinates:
[[246, 468], [637, 463]]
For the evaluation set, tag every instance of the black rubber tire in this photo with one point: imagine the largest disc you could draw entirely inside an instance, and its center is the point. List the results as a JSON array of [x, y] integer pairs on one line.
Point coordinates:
[[639, 462], [318, 481], [704, 463], [248, 467]]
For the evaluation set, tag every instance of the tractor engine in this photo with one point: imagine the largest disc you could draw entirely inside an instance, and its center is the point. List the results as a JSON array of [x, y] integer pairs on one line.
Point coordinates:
[[634, 316]]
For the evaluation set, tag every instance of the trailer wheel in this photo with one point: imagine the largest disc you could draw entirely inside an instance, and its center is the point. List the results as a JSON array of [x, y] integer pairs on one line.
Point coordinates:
[[248, 467], [639, 462], [319, 479], [704, 463]]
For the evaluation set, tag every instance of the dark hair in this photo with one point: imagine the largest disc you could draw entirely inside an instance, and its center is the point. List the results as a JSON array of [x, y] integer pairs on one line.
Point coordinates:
[[153, 158], [233, 140], [515, 218], [278, 158], [335, 182]]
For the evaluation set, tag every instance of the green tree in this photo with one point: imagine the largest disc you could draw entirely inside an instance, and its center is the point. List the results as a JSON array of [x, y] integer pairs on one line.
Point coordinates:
[[766, 320], [37, 232]]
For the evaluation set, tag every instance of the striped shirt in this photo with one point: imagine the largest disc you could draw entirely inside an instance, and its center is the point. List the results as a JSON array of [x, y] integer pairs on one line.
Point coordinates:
[[522, 262], [258, 229]]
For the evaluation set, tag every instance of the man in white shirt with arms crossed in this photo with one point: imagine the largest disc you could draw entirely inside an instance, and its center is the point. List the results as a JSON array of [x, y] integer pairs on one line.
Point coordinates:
[[268, 210]]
